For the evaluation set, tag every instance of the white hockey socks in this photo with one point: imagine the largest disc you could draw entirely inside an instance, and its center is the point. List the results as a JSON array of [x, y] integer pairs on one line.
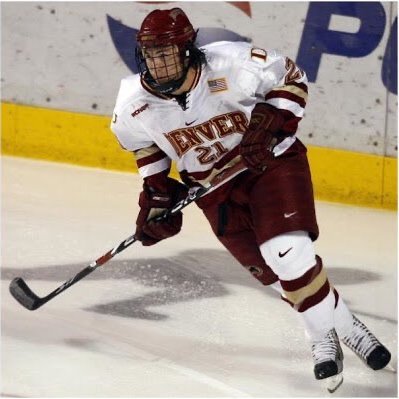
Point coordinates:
[[343, 320]]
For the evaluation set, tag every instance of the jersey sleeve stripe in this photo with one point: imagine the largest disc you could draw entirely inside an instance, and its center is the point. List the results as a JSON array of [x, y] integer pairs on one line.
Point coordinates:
[[155, 167], [296, 89], [284, 145], [285, 104], [289, 93], [301, 86], [149, 159], [145, 152]]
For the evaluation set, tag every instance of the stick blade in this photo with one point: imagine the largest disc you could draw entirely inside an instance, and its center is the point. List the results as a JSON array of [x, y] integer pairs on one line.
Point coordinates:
[[23, 294]]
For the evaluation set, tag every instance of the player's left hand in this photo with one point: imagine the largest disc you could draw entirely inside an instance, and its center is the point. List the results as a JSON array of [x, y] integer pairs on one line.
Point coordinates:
[[152, 203], [256, 147]]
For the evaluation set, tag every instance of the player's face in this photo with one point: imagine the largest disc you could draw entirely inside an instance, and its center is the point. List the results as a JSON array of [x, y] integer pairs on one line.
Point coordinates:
[[163, 63]]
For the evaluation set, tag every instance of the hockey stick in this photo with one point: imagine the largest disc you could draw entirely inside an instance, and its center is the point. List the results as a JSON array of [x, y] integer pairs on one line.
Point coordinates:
[[27, 298]]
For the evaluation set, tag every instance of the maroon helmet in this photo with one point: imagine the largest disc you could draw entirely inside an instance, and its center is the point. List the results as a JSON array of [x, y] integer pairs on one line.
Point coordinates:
[[165, 27], [170, 30]]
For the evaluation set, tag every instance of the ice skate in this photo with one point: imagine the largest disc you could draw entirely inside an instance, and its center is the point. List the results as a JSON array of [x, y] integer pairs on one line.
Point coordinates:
[[328, 357], [363, 342]]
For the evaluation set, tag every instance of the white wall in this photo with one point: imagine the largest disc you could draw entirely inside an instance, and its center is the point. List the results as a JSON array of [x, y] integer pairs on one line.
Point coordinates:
[[61, 55]]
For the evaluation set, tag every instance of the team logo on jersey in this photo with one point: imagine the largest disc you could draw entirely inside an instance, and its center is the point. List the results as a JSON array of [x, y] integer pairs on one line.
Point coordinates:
[[190, 123], [216, 85], [141, 109]]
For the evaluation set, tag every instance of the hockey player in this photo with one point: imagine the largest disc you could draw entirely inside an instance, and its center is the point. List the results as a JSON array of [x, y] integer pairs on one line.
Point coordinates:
[[208, 109]]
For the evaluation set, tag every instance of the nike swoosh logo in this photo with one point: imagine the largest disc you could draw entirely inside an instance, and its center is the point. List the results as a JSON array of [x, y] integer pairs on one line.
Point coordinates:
[[284, 253], [190, 123], [288, 215]]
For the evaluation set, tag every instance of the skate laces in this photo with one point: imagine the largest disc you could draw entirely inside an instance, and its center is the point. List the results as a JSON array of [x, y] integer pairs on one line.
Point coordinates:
[[360, 339], [326, 349]]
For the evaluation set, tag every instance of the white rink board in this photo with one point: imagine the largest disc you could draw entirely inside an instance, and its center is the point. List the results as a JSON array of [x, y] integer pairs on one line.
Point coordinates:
[[61, 55]]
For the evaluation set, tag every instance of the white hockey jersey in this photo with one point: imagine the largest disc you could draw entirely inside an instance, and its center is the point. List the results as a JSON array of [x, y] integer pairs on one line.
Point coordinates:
[[204, 139]]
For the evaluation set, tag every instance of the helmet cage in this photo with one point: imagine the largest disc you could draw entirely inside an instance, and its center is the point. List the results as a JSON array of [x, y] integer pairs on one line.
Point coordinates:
[[167, 70]]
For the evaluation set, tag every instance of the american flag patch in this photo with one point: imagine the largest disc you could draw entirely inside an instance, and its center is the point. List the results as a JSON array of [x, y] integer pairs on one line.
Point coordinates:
[[217, 85]]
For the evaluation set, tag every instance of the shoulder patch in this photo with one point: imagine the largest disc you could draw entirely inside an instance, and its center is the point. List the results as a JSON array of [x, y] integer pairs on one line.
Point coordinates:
[[216, 85], [258, 54]]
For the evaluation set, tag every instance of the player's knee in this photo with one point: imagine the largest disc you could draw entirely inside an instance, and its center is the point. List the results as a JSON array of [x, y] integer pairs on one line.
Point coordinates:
[[289, 255]]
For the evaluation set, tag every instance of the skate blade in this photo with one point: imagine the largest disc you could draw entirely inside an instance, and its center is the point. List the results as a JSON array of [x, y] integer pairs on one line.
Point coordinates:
[[390, 368], [334, 382]]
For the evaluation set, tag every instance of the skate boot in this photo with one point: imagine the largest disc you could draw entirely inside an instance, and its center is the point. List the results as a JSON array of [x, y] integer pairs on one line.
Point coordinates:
[[366, 346], [327, 356]]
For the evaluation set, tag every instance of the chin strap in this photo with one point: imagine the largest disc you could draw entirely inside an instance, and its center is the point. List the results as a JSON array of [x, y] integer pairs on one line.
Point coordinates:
[[165, 88]]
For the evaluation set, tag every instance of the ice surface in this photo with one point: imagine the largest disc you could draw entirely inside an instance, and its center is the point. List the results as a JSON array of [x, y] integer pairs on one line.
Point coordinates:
[[180, 319]]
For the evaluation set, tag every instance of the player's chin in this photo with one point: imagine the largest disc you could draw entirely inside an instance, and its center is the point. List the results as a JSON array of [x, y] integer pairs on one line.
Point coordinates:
[[163, 80], [166, 79]]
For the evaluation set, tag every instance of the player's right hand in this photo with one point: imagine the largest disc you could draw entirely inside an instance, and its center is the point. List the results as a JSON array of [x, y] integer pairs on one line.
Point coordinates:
[[153, 201], [263, 133]]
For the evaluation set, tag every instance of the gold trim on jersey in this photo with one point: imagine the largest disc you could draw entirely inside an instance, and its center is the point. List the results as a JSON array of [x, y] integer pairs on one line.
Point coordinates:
[[198, 72], [146, 152], [292, 89]]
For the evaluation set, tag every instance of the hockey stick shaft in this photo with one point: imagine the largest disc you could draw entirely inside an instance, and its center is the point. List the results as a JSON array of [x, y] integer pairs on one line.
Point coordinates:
[[25, 296]]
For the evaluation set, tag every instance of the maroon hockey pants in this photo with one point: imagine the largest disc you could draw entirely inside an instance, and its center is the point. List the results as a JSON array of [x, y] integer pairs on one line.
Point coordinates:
[[250, 209]]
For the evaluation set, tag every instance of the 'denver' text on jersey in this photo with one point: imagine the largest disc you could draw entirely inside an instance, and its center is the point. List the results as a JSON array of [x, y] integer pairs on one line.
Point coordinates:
[[220, 126]]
